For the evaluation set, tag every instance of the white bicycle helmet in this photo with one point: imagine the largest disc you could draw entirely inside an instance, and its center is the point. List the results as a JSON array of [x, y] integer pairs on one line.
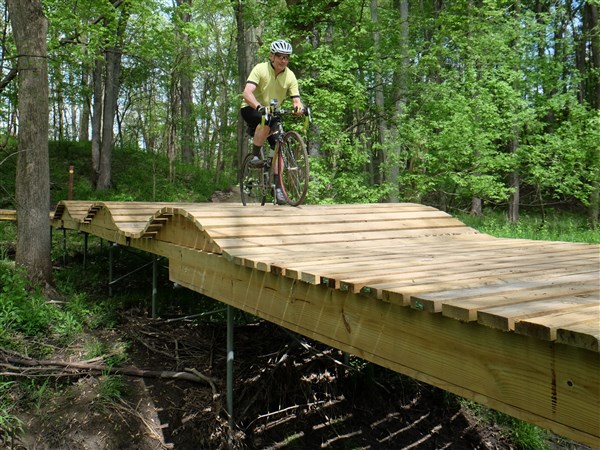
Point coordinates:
[[281, 46]]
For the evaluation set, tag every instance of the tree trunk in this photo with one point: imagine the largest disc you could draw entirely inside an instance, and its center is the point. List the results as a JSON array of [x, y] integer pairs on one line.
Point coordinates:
[[246, 44], [97, 118], [84, 121], [111, 94], [401, 87], [379, 101], [186, 77], [33, 172], [515, 184], [592, 25], [111, 90]]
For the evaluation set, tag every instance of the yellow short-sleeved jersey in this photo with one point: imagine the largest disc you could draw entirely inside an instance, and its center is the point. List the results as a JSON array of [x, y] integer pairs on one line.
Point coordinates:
[[269, 86]]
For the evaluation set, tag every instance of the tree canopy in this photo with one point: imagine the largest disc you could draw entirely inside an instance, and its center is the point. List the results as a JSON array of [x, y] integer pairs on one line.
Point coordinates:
[[457, 104]]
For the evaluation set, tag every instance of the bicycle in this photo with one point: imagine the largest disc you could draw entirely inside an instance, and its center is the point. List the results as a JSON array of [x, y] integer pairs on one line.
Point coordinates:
[[289, 156]]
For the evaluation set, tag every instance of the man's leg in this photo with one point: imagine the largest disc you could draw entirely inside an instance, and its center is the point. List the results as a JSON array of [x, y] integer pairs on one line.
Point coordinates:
[[260, 136]]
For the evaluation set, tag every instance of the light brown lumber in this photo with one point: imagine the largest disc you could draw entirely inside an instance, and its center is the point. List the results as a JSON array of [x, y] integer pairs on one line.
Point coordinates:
[[503, 370], [498, 281], [356, 277], [432, 292], [546, 327], [585, 334], [504, 274], [458, 243], [406, 295], [325, 221], [348, 238], [301, 231], [504, 317], [315, 250], [8, 214], [478, 248], [466, 310]]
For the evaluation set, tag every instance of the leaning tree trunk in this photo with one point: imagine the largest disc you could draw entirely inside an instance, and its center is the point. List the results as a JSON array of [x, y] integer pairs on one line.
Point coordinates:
[[186, 78], [111, 94], [97, 118], [592, 25], [33, 172], [108, 119], [86, 112], [246, 44]]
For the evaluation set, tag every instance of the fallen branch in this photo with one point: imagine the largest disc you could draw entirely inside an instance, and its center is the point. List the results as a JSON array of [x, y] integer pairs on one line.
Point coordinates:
[[23, 366]]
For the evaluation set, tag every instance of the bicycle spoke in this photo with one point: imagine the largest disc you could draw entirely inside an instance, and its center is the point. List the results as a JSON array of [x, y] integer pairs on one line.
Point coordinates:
[[294, 172]]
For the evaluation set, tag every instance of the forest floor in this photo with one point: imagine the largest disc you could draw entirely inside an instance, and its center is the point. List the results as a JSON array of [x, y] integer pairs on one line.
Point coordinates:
[[289, 393]]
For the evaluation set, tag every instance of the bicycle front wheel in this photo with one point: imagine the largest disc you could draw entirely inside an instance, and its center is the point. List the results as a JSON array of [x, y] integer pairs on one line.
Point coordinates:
[[252, 183], [293, 172]]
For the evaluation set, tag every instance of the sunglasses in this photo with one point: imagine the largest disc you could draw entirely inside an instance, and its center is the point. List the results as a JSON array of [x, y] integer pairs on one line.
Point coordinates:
[[282, 56]]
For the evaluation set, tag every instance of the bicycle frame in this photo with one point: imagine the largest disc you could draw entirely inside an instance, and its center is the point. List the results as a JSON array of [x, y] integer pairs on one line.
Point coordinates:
[[289, 163]]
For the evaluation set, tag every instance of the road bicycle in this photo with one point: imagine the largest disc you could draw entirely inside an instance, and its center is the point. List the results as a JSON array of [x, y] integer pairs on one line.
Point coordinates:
[[289, 163]]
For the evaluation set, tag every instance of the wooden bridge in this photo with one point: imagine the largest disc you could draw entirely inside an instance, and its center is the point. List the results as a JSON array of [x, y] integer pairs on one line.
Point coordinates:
[[512, 324]]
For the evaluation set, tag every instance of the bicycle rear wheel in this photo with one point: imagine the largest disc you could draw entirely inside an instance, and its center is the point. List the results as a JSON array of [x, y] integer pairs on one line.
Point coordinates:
[[293, 172], [252, 183]]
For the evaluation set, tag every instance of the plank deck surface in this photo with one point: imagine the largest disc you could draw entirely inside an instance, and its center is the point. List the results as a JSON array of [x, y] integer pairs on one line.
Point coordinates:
[[511, 323], [415, 253]]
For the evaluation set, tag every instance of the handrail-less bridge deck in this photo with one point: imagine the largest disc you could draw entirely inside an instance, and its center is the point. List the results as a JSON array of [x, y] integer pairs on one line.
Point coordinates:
[[513, 324]]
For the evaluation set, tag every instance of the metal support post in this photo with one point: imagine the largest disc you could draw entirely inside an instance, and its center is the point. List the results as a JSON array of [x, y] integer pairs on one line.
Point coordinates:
[[154, 284], [230, 312], [64, 246], [85, 249], [110, 267]]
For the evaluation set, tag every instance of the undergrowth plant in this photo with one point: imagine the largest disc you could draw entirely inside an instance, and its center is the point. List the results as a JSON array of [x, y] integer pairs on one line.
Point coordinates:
[[557, 226], [522, 435], [11, 427]]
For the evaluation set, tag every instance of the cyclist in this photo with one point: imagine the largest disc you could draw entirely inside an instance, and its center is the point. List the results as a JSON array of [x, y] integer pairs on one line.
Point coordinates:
[[269, 80]]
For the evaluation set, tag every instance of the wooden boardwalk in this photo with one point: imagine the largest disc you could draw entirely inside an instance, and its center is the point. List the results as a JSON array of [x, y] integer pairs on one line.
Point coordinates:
[[513, 324]]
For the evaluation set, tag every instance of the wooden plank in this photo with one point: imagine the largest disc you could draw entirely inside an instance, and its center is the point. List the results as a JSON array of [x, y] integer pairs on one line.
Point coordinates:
[[430, 294], [478, 245], [355, 275], [529, 376], [284, 254], [499, 284], [584, 335], [459, 358], [349, 238], [501, 274], [546, 327], [8, 214], [302, 231], [406, 295], [568, 286], [504, 317], [254, 222], [300, 259]]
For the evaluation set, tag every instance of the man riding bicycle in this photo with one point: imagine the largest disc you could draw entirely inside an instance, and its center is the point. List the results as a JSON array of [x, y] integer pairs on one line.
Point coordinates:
[[269, 80]]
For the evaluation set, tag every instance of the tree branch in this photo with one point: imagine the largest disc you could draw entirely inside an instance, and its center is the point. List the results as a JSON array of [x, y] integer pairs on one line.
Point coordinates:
[[8, 78], [23, 367]]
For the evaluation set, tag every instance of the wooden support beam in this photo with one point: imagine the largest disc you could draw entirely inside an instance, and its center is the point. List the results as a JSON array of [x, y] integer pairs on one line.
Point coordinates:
[[387, 282], [545, 383], [8, 214]]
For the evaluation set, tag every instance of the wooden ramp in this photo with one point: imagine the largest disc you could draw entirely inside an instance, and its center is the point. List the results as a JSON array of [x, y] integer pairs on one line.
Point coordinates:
[[513, 324]]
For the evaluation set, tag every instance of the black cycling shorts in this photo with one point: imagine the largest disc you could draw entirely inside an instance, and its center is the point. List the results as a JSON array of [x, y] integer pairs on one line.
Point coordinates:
[[253, 118]]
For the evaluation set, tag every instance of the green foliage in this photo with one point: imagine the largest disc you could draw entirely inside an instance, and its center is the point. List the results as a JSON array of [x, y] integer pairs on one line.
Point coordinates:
[[137, 176], [111, 388], [555, 226], [27, 312], [11, 427], [21, 309], [522, 435]]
